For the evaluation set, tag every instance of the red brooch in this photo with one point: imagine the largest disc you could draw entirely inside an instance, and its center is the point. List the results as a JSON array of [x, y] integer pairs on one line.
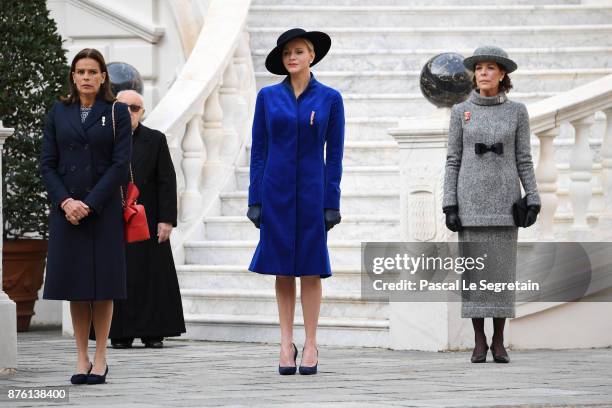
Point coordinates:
[[467, 116]]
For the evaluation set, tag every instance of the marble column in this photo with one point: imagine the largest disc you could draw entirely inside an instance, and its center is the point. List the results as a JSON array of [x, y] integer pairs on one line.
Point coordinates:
[[8, 311], [429, 326]]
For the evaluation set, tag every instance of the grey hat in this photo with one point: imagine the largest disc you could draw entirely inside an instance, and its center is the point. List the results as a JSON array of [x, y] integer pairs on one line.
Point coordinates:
[[490, 53]]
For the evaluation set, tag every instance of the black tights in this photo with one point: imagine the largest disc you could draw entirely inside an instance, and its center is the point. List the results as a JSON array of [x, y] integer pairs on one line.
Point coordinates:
[[498, 332]]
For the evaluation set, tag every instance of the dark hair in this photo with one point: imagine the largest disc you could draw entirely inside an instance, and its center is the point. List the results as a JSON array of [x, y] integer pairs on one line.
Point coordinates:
[[505, 85], [104, 92]]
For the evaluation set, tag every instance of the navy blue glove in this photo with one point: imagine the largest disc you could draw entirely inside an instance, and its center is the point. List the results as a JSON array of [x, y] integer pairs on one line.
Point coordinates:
[[254, 214], [332, 217]]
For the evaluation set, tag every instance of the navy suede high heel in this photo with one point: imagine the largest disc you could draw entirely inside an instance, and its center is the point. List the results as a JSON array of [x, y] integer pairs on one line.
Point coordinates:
[[289, 370], [305, 370], [81, 378], [97, 379]]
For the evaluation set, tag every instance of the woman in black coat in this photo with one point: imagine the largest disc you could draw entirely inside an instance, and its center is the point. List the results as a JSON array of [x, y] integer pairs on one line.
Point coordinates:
[[83, 164], [153, 307]]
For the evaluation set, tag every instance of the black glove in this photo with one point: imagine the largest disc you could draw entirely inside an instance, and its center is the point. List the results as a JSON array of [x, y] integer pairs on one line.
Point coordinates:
[[332, 217], [453, 222], [532, 215], [254, 214]]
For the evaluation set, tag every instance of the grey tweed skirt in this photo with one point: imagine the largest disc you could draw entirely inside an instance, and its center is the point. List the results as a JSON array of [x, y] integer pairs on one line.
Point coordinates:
[[500, 245]]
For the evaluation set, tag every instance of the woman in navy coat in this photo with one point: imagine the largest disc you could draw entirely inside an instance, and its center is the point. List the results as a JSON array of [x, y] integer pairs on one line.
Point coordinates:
[[83, 164], [294, 192]]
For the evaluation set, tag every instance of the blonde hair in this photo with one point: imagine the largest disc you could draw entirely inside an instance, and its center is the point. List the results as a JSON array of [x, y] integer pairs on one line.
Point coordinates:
[[308, 43]]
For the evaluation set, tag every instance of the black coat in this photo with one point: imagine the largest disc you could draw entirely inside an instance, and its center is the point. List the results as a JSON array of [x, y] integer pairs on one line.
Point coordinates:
[[86, 162], [153, 305]]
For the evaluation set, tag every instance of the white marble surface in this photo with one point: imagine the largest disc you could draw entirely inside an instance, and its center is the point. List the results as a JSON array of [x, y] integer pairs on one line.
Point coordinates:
[[332, 15], [450, 38]]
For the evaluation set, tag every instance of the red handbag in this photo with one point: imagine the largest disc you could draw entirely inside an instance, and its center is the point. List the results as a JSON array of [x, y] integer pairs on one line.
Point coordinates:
[[134, 215], [136, 227]]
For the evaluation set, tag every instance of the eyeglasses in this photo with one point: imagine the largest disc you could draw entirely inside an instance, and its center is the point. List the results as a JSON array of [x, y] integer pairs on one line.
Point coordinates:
[[135, 108]]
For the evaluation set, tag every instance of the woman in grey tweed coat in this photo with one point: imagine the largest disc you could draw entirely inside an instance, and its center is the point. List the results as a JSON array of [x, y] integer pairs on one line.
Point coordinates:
[[488, 153]]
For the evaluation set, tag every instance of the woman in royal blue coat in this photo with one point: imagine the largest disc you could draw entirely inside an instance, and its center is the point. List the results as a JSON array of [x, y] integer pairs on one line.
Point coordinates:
[[83, 164], [294, 192]]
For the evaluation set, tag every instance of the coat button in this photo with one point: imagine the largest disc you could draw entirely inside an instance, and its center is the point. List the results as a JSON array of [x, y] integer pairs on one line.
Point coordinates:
[[73, 168], [72, 190], [86, 147], [70, 147]]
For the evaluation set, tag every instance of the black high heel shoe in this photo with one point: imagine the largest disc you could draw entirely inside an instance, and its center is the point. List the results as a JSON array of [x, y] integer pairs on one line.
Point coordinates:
[[305, 370], [480, 358], [500, 358], [289, 370], [97, 379], [81, 378]]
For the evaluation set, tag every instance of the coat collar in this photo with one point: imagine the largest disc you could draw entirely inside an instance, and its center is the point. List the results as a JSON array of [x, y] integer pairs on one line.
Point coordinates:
[[97, 110], [74, 118], [312, 83], [478, 99], [140, 138]]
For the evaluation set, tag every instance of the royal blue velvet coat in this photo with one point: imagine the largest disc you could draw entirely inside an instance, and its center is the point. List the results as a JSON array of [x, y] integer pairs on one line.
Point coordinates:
[[84, 161], [295, 172]]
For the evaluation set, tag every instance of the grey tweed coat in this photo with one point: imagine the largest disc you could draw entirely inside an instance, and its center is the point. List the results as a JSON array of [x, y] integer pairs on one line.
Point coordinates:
[[485, 186]]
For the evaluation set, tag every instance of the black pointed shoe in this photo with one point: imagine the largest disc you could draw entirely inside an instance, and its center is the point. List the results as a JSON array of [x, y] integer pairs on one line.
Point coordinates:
[[81, 378], [97, 379], [480, 358], [502, 357], [289, 370], [306, 370]]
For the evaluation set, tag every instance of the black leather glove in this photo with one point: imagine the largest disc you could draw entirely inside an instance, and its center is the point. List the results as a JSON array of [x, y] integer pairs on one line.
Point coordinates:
[[332, 217], [453, 222], [532, 215], [254, 214]]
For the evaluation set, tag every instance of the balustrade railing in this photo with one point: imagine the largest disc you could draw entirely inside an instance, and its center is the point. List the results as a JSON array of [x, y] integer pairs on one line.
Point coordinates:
[[206, 113]]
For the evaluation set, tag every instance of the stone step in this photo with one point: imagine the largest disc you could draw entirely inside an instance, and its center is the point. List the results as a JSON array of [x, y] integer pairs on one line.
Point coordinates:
[[360, 59], [451, 37], [348, 332], [239, 277], [366, 153], [351, 202], [544, 80], [242, 302], [411, 2], [410, 104], [357, 227], [440, 16], [341, 253], [369, 128], [354, 178]]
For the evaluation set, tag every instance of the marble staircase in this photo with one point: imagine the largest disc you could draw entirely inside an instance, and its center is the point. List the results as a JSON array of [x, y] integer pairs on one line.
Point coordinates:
[[379, 47]]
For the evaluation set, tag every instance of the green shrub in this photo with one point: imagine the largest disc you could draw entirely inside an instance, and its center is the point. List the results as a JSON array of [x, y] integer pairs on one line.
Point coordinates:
[[33, 71]]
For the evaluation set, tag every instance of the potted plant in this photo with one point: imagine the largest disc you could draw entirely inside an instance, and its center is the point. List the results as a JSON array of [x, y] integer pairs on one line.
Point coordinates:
[[34, 69]]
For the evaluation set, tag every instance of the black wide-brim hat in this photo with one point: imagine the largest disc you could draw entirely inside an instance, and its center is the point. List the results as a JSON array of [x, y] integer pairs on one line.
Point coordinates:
[[320, 41], [490, 53]]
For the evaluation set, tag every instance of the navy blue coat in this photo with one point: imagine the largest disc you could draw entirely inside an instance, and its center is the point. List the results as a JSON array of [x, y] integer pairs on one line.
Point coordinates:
[[83, 161], [291, 178]]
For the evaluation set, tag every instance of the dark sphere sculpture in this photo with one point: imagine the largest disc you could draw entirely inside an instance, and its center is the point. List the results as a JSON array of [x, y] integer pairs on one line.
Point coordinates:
[[445, 81], [124, 76]]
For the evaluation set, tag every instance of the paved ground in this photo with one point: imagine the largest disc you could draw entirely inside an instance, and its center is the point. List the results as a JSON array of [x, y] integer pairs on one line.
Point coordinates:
[[197, 374]]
